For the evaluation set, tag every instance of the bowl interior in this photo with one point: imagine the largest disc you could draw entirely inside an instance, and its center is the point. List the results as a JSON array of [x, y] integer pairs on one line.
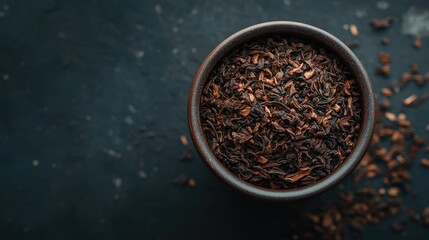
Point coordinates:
[[288, 29]]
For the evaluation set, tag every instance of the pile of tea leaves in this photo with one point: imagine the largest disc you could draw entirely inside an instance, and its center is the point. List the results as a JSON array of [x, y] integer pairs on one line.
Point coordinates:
[[382, 181], [281, 112]]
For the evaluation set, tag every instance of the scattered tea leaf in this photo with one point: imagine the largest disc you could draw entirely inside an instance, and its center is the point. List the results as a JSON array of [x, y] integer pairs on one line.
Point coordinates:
[[417, 43], [384, 58], [382, 23], [388, 92], [399, 226], [393, 191], [390, 116], [424, 162], [184, 140], [385, 40], [354, 30], [409, 100], [191, 183], [384, 70]]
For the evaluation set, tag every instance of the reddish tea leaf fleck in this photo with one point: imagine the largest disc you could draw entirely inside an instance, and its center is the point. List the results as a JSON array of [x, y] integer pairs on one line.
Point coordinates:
[[302, 173]]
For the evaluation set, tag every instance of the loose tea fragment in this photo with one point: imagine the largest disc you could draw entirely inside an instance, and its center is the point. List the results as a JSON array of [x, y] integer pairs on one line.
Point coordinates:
[[417, 43], [382, 23], [390, 116], [354, 30], [425, 216], [180, 180], [191, 183], [424, 162], [388, 92], [184, 140], [413, 100], [385, 41], [393, 149], [186, 155], [398, 226], [384, 58], [384, 70], [410, 100], [393, 191], [281, 113]]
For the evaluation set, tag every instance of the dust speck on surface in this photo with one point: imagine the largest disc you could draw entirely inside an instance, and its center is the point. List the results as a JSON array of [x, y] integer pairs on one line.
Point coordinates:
[[129, 120], [180, 21], [35, 163], [158, 9], [382, 5], [175, 29], [175, 51], [142, 174], [112, 153], [360, 13], [139, 54], [117, 182], [132, 109], [416, 22], [6, 77], [155, 169], [193, 50], [61, 35], [88, 118], [2, 14], [194, 11], [287, 2], [139, 27]]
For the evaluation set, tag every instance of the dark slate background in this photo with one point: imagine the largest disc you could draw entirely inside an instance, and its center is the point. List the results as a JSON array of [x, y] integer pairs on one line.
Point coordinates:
[[93, 102]]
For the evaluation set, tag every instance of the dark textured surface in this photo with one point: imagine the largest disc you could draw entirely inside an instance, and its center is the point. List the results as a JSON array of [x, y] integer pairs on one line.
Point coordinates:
[[70, 71]]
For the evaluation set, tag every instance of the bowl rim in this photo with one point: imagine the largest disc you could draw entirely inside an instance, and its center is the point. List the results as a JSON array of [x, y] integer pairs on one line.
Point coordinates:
[[293, 29]]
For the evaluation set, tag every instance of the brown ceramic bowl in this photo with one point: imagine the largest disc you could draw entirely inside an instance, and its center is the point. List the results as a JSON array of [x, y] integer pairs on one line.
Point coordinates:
[[303, 31]]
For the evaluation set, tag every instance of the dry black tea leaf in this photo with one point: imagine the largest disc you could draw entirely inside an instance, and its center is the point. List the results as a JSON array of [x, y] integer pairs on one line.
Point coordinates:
[[410, 100], [186, 155], [354, 30], [413, 100], [388, 92], [385, 40], [384, 58], [191, 182], [184, 140], [425, 216], [399, 226], [382, 23], [384, 70], [180, 180], [424, 162], [417, 43], [281, 112], [302, 173]]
